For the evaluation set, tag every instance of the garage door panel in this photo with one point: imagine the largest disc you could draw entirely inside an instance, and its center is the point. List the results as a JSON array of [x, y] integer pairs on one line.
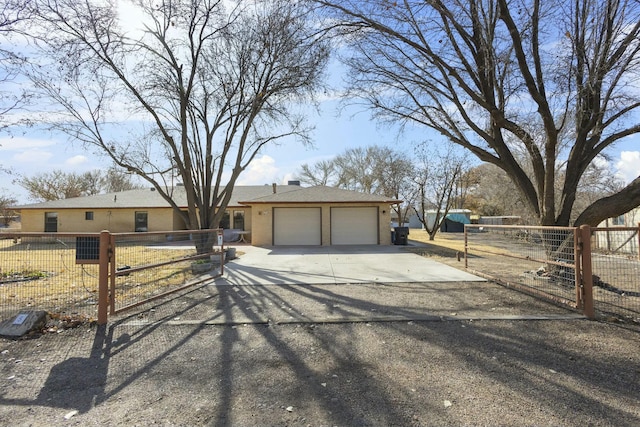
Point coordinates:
[[354, 226], [297, 226]]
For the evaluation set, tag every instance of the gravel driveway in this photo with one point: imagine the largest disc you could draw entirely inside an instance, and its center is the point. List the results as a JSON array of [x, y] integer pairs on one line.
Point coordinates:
[[440, 354]]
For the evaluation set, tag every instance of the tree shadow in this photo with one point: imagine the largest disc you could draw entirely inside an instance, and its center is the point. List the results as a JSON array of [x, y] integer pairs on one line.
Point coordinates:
[[523, 358]]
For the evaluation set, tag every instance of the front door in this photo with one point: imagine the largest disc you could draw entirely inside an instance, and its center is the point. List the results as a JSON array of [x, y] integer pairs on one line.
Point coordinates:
[[51, 222]]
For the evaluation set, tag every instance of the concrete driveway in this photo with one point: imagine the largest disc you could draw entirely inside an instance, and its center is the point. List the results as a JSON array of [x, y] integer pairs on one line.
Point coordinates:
[[337, 265]]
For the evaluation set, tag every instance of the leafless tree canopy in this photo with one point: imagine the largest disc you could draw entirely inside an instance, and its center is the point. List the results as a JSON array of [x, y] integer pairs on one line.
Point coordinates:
[[12, 14], [373, 170], [437, 180], [534, 87], [58, 184], [193, 94], [6, 202], [432, 179]]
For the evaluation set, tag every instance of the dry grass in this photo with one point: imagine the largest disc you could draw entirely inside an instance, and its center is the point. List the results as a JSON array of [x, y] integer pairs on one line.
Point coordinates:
[[447, 247], [44, 275]]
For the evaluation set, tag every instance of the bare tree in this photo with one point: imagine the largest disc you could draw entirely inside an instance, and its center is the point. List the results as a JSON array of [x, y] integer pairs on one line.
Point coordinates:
[[12, 13], [8, 214], [374, 170], [193, 94], [394, 171], [58, 184], [115, 180], [437, 173], [494, 194], [54, 185], [525, 86], [358, 169], [320, 173]]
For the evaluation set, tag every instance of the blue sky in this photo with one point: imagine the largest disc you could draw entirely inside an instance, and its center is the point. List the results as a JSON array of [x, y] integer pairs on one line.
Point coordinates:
[[41, 151], [36, 151]]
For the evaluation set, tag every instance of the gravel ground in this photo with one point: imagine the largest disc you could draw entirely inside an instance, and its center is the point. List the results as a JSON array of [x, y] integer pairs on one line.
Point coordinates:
[[224, 356]]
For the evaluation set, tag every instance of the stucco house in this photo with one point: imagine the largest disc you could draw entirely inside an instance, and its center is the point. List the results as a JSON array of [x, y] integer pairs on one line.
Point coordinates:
[[271, 215]]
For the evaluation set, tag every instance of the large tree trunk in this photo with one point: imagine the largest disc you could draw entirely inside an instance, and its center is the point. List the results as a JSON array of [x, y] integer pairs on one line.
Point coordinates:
[[618, 204]]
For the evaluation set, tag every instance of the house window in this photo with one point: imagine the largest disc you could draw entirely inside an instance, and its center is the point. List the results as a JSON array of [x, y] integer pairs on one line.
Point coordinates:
[[619, 220], [51, 222], [238, 220], [141, 221], [88, 216], [225, 222]]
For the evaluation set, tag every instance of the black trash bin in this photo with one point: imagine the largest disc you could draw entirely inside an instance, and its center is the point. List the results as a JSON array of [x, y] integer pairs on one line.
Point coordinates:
[[402, 235]]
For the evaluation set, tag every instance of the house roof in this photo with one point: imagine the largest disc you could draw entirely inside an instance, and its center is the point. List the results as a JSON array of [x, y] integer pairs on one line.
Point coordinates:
[[149, 198], [319, 194], [242, 195]]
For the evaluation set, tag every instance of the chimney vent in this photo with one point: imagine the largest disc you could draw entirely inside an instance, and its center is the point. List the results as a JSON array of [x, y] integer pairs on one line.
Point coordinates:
[[274, 187]]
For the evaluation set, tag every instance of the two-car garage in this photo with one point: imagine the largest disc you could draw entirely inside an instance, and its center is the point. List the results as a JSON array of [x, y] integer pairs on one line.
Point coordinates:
[[320, 216], [348, 225]]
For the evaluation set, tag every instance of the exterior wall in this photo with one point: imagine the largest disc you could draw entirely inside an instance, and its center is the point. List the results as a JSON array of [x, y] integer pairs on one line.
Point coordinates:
[[178, 222], [114, 220], [384, 224], [248, 223], [262, 222], [262, 225], [258, 220], [618, 240]]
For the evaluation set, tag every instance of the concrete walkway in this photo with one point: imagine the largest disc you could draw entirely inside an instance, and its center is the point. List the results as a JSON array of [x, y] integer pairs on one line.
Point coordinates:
[[336, 265]]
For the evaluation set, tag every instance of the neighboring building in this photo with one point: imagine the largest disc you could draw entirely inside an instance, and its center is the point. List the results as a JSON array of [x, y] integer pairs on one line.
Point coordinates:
[[619, 241], [411, 220], [453, 222], [273, 215], [499, 220]]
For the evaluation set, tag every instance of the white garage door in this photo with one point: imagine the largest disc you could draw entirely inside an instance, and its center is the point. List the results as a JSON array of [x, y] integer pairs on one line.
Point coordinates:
[[297, 226], [354, 226]]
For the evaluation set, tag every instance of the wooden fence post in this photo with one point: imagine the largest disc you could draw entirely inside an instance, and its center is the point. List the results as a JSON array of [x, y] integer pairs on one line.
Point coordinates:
[[577, 256], [466, 242], [587, 273], [103, 278], [112, 274]]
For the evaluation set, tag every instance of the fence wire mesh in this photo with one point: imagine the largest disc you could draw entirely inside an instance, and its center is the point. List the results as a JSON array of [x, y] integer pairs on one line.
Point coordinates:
[[616, 270], [539, 259], [40, 272], [147, 265]]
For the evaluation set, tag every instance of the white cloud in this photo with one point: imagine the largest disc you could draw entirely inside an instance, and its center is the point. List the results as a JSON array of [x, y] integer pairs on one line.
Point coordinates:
[[261, 170], [76, 160], [23, 144], [289, 177], [628, 166], [33, 156]]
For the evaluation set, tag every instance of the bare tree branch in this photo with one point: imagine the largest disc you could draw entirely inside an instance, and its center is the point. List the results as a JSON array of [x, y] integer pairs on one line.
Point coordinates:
[[554, 81], [202, 86]]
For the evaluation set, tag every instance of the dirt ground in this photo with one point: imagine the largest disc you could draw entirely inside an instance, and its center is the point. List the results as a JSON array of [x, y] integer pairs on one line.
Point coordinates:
[[407, 354], [236, 356]]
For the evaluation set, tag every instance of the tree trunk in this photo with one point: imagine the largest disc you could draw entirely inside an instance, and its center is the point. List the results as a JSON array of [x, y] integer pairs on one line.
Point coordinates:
[[618, 204]]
